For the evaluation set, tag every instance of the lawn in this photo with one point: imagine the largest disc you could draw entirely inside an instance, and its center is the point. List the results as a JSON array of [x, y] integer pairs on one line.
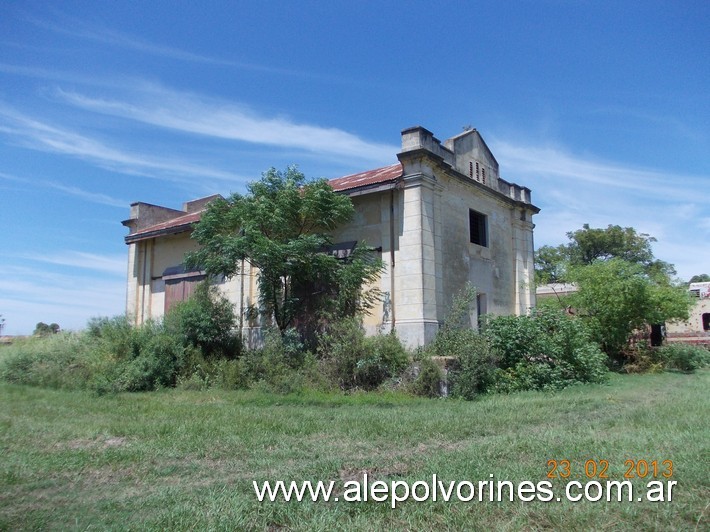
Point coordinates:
[[186, 460]]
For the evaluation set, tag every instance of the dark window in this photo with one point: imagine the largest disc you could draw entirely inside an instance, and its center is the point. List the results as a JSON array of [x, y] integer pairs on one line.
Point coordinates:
[[477, 172], [477, 226], [470, 169], [483, 176], [706, 322]]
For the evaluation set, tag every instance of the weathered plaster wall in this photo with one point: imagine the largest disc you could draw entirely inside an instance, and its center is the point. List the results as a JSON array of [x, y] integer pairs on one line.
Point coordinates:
[[371, 226], [694, 325], [421, 224]]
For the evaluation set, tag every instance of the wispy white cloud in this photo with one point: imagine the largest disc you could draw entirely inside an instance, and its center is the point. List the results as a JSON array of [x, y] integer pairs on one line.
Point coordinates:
[[41, 136], [545, 162], [573, 190], [199, 115], [93, 197], [111, 264], [75, 28]]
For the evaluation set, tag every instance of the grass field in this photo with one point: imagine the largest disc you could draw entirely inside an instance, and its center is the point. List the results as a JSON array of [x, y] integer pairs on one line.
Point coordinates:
[[186, 460]]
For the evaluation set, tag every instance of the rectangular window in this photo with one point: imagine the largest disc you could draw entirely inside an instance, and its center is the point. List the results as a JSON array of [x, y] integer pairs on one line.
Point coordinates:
[[477, 172], [477, 223], [483, 176]]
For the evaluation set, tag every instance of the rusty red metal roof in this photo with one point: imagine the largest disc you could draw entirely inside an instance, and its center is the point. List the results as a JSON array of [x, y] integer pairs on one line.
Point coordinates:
[[340, 184], [370, 177]]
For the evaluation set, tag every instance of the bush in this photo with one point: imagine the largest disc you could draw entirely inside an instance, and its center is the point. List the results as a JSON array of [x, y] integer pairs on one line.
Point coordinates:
[[352, 360], [428, 381], [686, 358], [110, 356], [547, 350], [475, 368], [131, 358], [207, 321], [199, 373]]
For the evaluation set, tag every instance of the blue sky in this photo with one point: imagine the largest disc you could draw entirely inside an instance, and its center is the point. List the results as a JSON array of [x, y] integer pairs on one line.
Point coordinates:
[[601, 108]]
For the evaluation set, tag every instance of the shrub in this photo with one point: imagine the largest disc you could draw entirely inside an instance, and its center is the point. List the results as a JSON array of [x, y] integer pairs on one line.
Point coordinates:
[[207, 321], [546, 350], [133, 358], [687, 358], [199, 373], [274, 363], [474, 371], [428, 381], [353, 360]]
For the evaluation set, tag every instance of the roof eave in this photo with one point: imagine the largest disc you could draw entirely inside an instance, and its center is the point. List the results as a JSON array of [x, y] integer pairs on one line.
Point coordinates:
[[369, 189], [131, 239]]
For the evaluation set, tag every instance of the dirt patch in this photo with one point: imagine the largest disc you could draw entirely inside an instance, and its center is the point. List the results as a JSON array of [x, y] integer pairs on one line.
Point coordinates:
[[98, 443], [115, 441]]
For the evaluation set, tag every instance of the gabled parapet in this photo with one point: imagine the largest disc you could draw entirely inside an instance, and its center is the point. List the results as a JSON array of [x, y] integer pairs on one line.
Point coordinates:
[[466, 153]]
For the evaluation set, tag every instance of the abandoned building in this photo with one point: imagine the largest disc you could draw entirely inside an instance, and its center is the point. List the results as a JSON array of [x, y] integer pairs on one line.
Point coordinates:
[[441, 217]]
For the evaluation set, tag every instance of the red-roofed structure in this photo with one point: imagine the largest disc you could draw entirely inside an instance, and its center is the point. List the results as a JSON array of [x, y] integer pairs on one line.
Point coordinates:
[[360, 182], [440, 218], [378, 176]]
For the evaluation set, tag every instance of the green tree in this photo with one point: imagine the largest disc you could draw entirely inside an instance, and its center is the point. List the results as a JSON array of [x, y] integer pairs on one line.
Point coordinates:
[[589, 245], [622, 287], [702, 278], [42, 329], [551, 264], [283, 226], [616, 297]]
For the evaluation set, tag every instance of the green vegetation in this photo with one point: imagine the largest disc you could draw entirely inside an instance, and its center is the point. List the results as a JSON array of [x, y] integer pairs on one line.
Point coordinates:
[[590, 245], [672, 357], [622, 287], [547, 350], [42, 329], [206, 321], [196, 348], [282, 227], [355, 361], [186, 460], [616, 298]]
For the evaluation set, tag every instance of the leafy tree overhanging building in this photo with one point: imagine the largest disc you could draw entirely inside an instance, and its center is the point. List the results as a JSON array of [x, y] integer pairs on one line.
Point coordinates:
[[440, 218]]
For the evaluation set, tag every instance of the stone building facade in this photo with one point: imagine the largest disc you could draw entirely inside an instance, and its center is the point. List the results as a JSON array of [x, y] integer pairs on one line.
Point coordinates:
[[441, 217], [696, 330]]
